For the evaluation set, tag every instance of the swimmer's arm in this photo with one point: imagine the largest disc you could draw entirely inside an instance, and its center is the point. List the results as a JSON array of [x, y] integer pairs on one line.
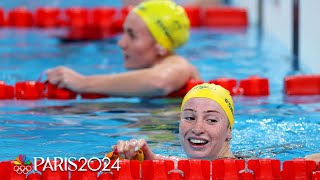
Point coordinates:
[[140, 83], [156, 81], [169, 75]]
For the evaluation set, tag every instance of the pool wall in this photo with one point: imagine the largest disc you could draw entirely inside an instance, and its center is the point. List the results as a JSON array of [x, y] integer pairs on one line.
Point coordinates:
[[277, 19]]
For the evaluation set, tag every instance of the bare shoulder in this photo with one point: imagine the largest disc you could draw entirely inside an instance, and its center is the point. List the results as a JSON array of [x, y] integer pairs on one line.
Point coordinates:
[[175, 58], [173, 61], [178, 61], [180, 64]]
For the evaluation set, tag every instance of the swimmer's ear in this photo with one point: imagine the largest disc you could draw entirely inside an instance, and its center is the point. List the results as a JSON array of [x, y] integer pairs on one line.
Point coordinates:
[[161, 51]]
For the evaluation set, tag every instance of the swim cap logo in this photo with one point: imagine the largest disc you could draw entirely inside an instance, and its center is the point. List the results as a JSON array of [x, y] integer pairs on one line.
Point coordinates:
[[165, 30], [22, 165], [204, 86], [229, 104]]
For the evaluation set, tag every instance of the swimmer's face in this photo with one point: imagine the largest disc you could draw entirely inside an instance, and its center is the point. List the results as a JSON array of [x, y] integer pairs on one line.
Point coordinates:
[[137, 43], [204, 129]]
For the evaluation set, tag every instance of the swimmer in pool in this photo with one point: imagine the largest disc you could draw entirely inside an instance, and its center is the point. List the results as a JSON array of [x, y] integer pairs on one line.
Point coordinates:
[[205, 127], [206, 122], [152, 32]]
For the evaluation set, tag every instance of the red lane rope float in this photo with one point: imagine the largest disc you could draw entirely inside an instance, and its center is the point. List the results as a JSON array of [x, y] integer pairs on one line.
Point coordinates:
[[87, 33], [46, 17], [316, 175], [103, 22], [77, 17], [298, 169], [157, 169], [78, 23], [118, 22], [103, 16], [8, 170], [227, 168], [34, 176], [30, 90], [88, 174], [20, 17], [265, 168], [130, 169], [2, 20], [93, 96], [215, 16], [46, 173], [88, 25], [53, 92], [195, 168], [302, 85], [225, 17], [255, 86], [194, 15], [6, 91]]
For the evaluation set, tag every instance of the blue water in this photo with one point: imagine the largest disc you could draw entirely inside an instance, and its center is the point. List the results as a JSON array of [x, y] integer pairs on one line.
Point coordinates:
[[274, 126]]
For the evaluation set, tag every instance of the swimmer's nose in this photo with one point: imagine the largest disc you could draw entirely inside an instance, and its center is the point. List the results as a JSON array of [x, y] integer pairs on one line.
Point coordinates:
[[122, 42]]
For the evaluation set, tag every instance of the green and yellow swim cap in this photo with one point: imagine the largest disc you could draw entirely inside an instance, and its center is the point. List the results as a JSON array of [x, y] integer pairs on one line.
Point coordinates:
[[167, 22], [213, 92]]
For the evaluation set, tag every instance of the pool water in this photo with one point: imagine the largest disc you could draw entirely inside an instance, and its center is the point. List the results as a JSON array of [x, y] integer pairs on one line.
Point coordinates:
[[275, 126]]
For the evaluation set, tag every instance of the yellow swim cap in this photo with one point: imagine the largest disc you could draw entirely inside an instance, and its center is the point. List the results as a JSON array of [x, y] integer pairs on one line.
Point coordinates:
[[216, 93], [167, 22]]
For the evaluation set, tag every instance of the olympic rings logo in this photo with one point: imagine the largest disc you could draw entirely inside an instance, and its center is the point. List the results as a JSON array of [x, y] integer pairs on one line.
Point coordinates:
[[22, 169]]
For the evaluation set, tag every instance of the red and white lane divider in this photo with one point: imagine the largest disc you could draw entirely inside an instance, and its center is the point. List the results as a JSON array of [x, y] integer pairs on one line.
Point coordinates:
[[32, 90], [85, 24], [251, 86]]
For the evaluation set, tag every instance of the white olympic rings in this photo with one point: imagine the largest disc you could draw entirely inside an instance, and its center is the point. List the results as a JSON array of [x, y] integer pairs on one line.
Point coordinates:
[[22, 169]]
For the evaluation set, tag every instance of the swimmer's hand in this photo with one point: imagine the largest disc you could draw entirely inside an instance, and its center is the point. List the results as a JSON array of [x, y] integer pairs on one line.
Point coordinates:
[[313, 157], [129, 149], [65, 77]]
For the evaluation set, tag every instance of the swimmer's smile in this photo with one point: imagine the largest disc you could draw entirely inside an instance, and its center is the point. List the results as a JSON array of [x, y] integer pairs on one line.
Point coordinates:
[[197, 142]]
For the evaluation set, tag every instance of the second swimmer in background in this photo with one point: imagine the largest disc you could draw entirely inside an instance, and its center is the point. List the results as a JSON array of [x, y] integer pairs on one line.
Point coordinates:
[[152, 31]]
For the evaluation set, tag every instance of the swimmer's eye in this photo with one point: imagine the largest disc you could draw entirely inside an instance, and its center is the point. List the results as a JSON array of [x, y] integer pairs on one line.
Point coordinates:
[[212, 121], [132, 35], [189, 118]]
